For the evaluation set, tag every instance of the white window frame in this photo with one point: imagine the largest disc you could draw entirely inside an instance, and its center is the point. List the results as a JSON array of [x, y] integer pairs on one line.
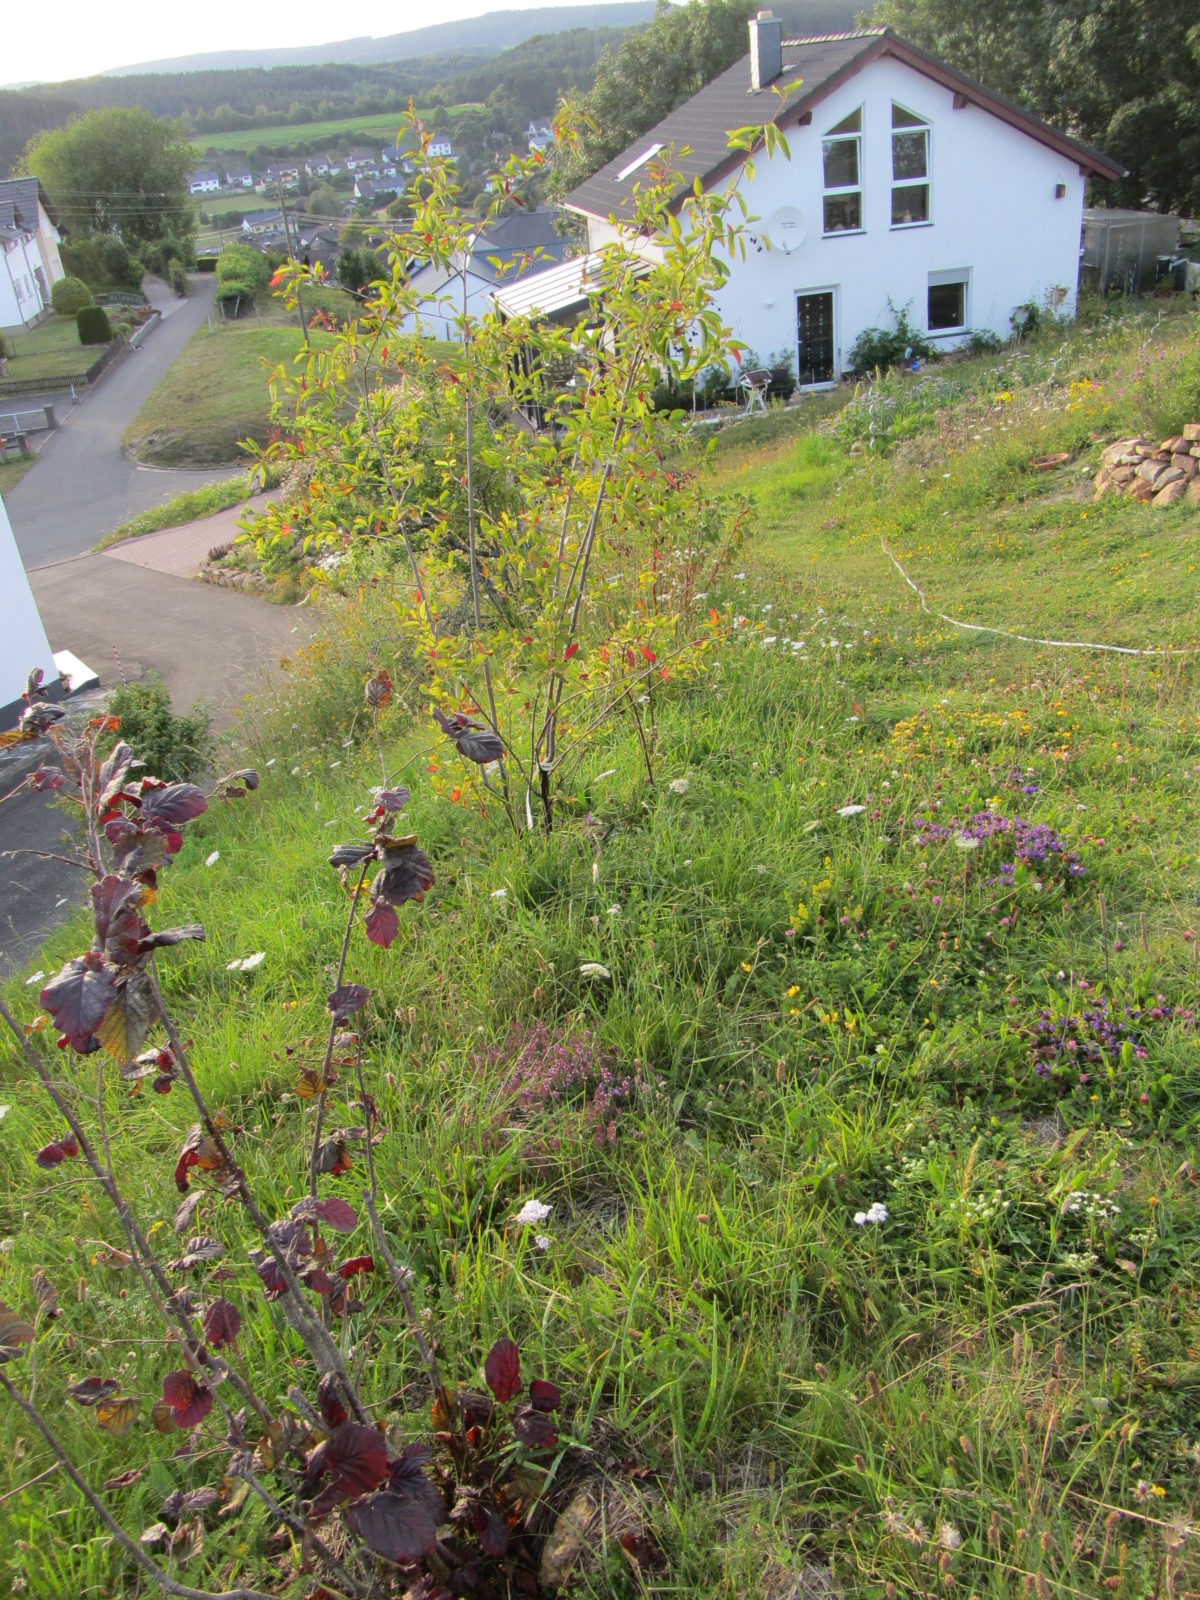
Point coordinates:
[[843, 191], [938, 280], [920, 126]]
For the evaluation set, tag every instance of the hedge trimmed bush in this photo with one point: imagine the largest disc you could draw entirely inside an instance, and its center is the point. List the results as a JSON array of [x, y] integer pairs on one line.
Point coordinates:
[[93, 324], [69, 296]]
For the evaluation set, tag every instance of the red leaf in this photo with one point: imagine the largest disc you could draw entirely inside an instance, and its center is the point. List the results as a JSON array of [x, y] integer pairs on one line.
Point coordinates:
[[400, 1529], [534, 1428], [648, 655], [330, 1402], [354, 1457], [381, 924], [355, 1265], [174, 805], [490, 1531], [222, 1323], [88, 1391], [190, 1402], [545, 1396], [79, 997], [51, 1154], [502, 1369], [570, 651], [346, 1000], [336, 1214]]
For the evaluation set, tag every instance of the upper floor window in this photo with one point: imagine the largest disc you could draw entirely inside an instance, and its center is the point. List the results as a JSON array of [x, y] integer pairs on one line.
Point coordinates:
[[910, 167], [842, 155]]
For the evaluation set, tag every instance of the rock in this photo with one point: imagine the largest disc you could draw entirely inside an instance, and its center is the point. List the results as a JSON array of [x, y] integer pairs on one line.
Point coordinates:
[[1151, 471], [571, 1535], [1173, 444], [1123, 474], [1103, 478], [1168, 475], [1191, 431], [1117, 452], [1141, 490], [1173, 492], [1188, 465], [1193, 492]]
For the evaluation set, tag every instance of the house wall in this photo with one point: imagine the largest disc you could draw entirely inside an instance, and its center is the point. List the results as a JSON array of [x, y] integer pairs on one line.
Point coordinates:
[[23, 642], [993, 211], [48, 240], [20, 298], [441, 302]]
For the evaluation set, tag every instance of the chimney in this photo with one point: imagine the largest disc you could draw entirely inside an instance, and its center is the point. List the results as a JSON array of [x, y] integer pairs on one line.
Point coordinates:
[[766, 50]]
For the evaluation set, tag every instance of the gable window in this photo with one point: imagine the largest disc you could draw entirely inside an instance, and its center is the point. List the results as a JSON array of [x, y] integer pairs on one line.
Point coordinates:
[[947, 308], [910, 167], [841, 152]]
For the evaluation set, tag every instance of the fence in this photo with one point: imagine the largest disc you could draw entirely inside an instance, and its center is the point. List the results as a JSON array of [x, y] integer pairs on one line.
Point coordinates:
[[39, 421], [119, 297], [63, 381]]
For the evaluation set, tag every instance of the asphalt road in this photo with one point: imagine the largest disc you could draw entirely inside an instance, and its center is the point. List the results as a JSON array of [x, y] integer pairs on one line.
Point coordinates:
[[83, 486]]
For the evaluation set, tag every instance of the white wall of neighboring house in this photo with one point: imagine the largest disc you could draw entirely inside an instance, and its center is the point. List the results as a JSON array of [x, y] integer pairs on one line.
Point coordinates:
[[21, 297], [442, 302], [995, 218], [47, 236], [23, 642]]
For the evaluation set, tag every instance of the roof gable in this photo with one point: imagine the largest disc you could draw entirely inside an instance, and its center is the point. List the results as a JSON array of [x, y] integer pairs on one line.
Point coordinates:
[[19, 200], [812, 70]]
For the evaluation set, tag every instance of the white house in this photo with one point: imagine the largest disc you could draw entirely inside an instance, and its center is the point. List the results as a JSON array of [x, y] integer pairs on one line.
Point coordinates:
[[515, 247], [29, 260], [239, 178], [204, 183], [906, 184], [539, 136], [441, 146]]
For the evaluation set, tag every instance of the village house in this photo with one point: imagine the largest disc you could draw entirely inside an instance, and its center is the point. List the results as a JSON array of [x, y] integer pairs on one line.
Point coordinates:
[[906, 185], [539, 136], [525, 243], [239, 178], [29, 258], [440, 145], [205, 182]]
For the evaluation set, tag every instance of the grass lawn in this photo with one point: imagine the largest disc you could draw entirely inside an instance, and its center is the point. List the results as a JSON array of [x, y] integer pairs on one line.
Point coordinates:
[[215, 395], [49, 350], [286, 136], [878, 1272], [13, 470]]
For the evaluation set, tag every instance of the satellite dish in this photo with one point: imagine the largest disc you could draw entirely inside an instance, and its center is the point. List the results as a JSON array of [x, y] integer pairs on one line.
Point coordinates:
[[786, 229]]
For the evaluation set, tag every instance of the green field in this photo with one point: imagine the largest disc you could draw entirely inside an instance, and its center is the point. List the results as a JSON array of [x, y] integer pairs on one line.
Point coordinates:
[[854, 1057], [286, 136]]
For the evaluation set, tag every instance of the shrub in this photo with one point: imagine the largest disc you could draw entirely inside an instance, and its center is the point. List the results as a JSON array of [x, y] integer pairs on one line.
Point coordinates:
[[888, 347], [69, 296], [93, 324], [985, 343], [178, 279], [179, 748], [242, 273], [3, 348], [114, 258]]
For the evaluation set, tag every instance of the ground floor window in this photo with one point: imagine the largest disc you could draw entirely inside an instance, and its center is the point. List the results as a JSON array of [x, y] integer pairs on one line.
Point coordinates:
[[948, 296]]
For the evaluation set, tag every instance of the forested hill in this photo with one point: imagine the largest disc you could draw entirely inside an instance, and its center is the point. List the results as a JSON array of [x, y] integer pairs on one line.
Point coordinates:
[[486, 35]]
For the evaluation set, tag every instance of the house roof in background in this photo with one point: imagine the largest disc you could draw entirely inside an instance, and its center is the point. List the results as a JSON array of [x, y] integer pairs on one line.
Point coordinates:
[[520, 242], [812, 70], [19, 199]]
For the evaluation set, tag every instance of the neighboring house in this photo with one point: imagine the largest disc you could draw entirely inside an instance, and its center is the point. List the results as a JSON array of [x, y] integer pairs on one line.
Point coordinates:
[[239, 178], [441, 146], [204, 183], [358, 160], [539, 136], [516, 246], [29, 259], [258, 224], [906, 185]]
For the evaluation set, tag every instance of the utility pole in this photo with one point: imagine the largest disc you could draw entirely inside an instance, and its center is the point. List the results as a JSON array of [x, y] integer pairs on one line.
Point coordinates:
[[287, 230]]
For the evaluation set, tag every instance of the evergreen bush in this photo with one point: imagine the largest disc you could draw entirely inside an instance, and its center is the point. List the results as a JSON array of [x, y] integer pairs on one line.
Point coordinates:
[[70, 295], [93, 324]]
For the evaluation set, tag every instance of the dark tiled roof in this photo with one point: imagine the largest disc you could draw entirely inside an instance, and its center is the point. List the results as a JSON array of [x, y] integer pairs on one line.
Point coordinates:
[[817, 66], [19, 204], [514, 241]]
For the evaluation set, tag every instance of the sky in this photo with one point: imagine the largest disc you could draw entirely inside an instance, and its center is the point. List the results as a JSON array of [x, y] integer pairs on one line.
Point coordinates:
[[35, 48]]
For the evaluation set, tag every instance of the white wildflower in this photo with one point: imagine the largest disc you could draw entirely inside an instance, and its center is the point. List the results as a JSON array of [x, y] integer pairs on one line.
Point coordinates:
[[34, 977], [965, 841], [532, 1212], [614, 911], [247, 963], [850, 811], [211, 861], [876, 1213], [679, 785], [4, 1110], [499, 894], [542, 1241], [948, 1536], [593, 969]]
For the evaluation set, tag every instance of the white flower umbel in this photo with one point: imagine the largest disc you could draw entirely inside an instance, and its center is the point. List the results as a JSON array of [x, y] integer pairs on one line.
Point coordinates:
[[876, 1213], [593, 969], [678, 785], [532, 1212], [542, 1241], [248, 963], [851, 811]]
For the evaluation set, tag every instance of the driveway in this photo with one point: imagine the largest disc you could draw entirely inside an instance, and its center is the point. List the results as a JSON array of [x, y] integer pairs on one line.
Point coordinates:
[[83, 485], [131, 609]]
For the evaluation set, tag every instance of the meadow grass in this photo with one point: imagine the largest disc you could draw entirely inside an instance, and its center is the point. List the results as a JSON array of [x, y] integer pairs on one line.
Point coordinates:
[[285, 136], [836, 992]]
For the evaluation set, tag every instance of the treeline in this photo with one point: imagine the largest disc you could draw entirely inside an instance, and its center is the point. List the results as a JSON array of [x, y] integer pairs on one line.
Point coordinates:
[[518, 84]]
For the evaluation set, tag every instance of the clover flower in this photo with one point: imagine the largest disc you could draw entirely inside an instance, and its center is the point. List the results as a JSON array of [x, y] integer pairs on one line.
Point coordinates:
[[877, 1212]]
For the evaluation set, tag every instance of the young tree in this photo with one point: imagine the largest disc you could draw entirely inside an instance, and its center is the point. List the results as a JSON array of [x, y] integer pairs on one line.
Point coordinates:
[[120, 171], [546, 575]]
